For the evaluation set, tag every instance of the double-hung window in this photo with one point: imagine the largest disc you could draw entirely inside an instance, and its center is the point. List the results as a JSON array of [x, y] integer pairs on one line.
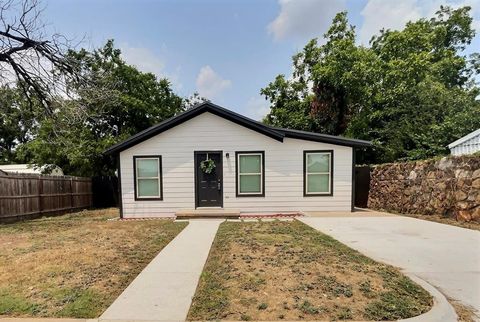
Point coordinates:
[[148, 177], [317, 176], [250, 168]]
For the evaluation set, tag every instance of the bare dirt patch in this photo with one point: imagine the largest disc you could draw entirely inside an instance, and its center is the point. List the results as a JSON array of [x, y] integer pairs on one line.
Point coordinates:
[[288, 271], [74, 265]]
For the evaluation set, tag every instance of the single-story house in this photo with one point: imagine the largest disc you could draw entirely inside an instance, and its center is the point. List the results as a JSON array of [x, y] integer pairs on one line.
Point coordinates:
[[467, 144], [32, 169], [212, 159]]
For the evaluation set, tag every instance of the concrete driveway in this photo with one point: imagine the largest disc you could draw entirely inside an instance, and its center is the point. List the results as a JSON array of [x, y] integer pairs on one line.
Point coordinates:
[[446, 256]]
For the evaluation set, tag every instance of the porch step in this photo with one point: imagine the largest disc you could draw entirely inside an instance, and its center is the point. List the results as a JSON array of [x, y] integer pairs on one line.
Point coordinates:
[[208, 213]]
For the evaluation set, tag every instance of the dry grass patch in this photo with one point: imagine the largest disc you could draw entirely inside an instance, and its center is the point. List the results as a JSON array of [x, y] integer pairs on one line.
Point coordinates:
[[464, 312], [74, 265], [287, 270]]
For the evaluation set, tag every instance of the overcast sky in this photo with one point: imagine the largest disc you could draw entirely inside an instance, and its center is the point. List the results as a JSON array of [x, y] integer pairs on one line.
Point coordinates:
[[226, 50]]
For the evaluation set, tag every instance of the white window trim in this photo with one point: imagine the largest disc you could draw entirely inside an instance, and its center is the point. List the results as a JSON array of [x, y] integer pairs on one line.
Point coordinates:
[[329, 173], [139, 178], [250, 174]]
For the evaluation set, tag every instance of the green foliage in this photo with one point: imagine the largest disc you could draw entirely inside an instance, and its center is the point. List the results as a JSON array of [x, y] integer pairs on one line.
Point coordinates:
[[344, 313], [401, 299], [331, 286], [79, 303], [207, 166], [411, 92], [366, 288], [112, 101], [308, 308], [134, 100], [12, 304], [16, 122]]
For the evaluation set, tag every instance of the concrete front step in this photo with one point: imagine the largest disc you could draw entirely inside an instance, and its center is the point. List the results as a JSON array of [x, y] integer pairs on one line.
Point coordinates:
[[207, 213]]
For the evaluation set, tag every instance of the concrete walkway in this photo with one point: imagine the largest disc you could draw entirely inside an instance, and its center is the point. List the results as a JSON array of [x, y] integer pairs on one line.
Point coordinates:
[[445, 256], [163, 291]]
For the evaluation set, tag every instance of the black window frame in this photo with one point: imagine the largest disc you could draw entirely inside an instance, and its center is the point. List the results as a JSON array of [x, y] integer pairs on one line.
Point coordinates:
[[135, 158], [317, 194], [237, 178]]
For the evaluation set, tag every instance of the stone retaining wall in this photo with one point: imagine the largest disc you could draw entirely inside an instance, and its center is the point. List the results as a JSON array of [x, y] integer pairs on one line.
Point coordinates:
[[449, 186]]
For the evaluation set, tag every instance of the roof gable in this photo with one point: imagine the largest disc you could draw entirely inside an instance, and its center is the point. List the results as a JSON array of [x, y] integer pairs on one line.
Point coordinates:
[[275, 133], [464, 139], [189, 114]]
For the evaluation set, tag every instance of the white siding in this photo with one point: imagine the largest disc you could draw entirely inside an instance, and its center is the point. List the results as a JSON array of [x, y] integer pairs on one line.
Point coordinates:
[[469, 146], [283, 169]]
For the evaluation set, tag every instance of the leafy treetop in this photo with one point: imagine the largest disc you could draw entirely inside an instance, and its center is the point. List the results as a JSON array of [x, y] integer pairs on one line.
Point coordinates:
[[411, 92]]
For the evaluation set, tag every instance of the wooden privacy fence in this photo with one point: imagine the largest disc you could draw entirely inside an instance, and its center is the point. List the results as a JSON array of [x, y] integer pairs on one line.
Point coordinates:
[[29, 196]]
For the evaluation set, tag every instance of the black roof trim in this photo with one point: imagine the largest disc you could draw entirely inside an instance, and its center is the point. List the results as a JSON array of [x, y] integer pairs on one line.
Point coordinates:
[[275, 133], [326, 138], [189, 114]]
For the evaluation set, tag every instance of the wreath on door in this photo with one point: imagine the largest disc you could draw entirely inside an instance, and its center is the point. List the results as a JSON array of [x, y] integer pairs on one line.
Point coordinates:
[[207, 166]]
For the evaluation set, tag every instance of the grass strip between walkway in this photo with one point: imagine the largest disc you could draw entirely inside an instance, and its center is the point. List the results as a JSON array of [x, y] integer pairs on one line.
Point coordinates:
[[74, 265], [287, 270]]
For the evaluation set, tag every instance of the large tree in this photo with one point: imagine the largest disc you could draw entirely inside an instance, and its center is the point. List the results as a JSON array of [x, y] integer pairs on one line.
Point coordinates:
[[411, 91], [113, 101]]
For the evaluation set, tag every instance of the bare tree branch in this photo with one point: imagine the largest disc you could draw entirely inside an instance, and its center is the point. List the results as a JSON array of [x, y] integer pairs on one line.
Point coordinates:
[[28, 56]]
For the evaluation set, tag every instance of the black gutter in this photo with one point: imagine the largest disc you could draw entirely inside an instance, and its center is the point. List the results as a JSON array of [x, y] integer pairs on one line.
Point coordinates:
[[325, 138]]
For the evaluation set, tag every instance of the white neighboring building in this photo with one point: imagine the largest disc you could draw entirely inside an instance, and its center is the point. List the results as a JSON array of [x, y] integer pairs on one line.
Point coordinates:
[[468, 144], [29, 169]]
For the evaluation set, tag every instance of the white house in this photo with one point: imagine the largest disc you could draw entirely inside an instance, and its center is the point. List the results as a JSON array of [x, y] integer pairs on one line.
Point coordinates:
[[468, 144], [212, 160], [32, 169]]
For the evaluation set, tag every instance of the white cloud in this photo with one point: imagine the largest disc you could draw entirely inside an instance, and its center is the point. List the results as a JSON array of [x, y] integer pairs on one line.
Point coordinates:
[[304, 18], [147, 61], [210, 84], [7, 75], [475, 12], [386, 14], [476, 25], [144, 59], [257, 107], [394, 14]]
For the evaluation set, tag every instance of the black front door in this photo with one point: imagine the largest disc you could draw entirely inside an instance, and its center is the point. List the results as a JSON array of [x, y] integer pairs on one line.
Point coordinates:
[[208, 181]]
